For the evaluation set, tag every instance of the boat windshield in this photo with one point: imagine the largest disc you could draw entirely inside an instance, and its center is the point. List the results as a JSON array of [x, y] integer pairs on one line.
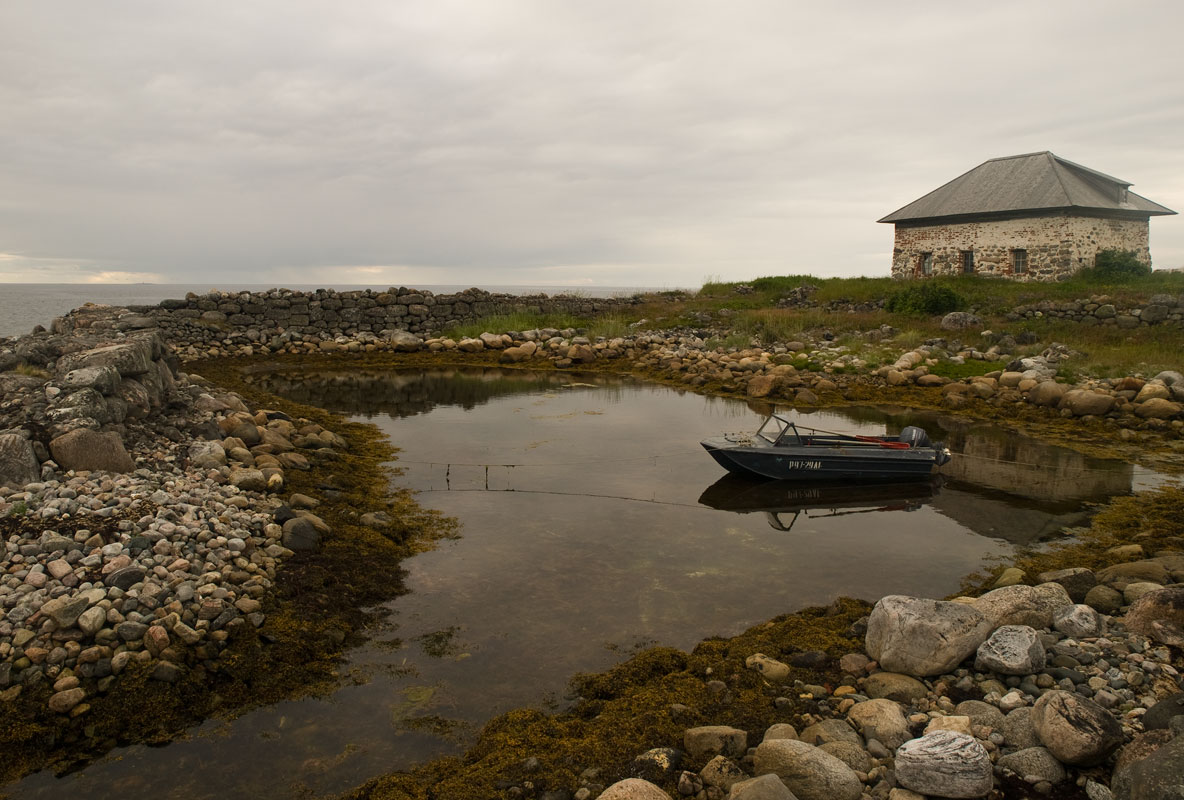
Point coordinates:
[[775, 427]]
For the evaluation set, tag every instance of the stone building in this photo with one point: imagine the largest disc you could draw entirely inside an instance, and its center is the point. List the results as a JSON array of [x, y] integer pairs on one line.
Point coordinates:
[[1027, 217]]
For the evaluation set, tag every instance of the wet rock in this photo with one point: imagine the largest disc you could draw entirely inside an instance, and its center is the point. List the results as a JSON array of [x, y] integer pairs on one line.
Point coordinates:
[[946, 764], [808, 772], [922, 637], [829, 730], [1075, 729], [1119, 575], [301, 534], [1011, 650], [1083, 402], [656, 765], [125, 577], [1104, 599]]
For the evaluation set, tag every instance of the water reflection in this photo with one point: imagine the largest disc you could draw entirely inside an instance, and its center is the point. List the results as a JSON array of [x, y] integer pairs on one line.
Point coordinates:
[[782, 502], [584, 534]]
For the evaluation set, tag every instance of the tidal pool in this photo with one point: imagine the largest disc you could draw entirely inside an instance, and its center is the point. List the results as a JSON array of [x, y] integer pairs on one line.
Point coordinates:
[[594, 524]]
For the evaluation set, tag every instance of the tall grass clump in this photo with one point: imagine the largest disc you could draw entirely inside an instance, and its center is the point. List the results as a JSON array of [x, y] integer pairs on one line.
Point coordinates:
[[516, 321]]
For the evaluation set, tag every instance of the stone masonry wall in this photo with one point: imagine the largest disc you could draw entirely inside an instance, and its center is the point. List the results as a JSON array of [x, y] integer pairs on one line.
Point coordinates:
[[327, 313], [1057, 245]]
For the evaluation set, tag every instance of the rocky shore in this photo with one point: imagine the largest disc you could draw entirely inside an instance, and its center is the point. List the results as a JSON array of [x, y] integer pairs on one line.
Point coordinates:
[[147, 513], [1060, 694]]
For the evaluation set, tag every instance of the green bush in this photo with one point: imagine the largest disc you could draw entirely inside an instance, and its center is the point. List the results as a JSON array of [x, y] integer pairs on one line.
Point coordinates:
[[924, 298], [1117, 266]]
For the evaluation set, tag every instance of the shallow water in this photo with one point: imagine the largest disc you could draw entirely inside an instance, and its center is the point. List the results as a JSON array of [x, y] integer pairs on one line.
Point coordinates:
[[591, 525]]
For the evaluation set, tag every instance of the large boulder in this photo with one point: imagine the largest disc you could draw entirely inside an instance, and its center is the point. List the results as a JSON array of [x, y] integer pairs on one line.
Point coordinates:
[[1023, 605], [945, 764], [959, 321], [1159, 615], [1046, 393], [1075, 729], [1159, 776], [894, 686], [1076, 580], [1083, 402], [84, 449], [807, 771], [128, 358], [922, 637], [18, 462], [1011, 650]]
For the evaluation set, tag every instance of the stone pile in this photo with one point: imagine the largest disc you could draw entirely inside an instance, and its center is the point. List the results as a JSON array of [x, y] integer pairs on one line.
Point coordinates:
[[140, 511], [1160, 309], [1024, 691]]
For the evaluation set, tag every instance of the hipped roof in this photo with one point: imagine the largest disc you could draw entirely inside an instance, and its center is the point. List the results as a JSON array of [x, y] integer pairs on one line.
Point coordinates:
[[1029, 182]]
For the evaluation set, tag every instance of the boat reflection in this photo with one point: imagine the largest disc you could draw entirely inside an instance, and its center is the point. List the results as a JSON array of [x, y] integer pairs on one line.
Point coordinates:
[[783, 502]]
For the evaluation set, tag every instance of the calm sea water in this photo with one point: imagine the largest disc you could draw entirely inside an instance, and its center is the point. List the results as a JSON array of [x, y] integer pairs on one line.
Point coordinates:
[[24, 305], [598, 525]]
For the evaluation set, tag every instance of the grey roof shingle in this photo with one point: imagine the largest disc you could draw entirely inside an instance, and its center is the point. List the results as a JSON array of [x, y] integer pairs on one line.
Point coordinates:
[[1029, 182]]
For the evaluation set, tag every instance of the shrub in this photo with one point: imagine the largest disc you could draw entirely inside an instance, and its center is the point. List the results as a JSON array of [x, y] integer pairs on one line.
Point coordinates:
[[1117, 266], [924, 298]]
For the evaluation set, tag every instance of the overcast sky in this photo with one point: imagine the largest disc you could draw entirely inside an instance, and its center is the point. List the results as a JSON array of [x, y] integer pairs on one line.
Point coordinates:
[[483, 142]]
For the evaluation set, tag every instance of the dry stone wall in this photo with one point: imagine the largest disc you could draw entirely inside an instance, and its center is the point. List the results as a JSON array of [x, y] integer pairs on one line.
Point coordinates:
[[1056, 245], [328, 313]]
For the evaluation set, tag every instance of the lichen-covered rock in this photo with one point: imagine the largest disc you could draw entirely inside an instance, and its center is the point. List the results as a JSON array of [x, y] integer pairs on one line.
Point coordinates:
[[1079, 621], [922, 637], [1011, 650], [18, 462], [84, 449], [1023, 605], [945, 764], [771, 668], [809, 772], [1075, 729], [1035, 764], [1159, 615]]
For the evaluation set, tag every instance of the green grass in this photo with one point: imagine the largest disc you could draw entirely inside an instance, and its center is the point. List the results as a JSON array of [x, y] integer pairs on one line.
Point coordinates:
[[972, 367], [518, 321]]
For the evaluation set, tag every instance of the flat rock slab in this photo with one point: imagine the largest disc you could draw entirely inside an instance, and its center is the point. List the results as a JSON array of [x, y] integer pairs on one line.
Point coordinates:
[[84, 449]]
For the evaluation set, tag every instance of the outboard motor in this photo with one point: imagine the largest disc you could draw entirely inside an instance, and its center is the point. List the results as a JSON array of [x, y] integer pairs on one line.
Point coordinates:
[[915, 437]]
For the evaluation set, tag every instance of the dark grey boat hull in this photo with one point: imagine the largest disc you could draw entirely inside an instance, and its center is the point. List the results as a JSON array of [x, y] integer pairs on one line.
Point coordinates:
[[824, 463]]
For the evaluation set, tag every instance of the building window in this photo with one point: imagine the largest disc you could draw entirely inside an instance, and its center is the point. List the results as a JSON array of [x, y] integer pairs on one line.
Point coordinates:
[[967, 262], [926, 264], [1019, 262]]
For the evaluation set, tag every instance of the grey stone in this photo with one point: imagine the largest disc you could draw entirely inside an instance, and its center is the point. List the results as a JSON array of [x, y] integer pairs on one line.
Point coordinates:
[[922, 637], [1079, 621], [102, 379], [881, 719], [807, 771], [1018, 731], [980, 713], [894, 686], [84, 449], [1034, 762], [1104, 599], [946, 764], [1161, 714], [1011, 650], [301, 534], [829, 730], [125, 577], [18, 462], [1023, 605], [1074, 728], [65, 610], [1159, 776]]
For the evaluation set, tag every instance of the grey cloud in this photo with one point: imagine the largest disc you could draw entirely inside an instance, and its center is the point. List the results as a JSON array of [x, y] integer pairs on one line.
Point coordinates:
[[660, 142]]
